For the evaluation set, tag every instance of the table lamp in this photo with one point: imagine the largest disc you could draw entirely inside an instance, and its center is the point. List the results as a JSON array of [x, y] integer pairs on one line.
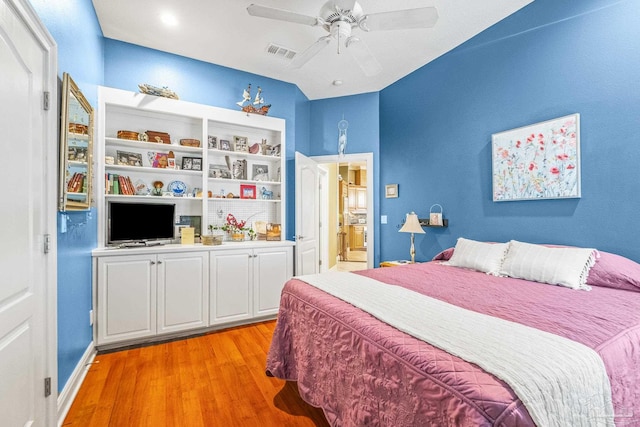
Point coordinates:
[[412, 225]]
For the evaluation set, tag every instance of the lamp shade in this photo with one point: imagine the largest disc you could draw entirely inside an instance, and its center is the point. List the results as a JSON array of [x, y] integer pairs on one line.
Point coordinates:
[[412, 224]]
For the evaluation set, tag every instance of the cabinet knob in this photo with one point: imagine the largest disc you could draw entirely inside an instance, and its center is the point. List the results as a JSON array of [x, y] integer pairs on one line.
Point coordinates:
[[153, 263], [159, 262], [300, 237]]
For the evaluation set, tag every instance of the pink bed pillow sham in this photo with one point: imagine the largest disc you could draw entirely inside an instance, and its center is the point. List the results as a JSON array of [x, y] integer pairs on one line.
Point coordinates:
[[610, 271]]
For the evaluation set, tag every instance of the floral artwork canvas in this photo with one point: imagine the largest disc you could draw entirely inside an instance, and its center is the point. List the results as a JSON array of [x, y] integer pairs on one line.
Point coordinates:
[[539, 161]]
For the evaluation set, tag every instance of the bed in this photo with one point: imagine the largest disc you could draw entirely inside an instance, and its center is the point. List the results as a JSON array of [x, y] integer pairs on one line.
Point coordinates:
[[362, 371]]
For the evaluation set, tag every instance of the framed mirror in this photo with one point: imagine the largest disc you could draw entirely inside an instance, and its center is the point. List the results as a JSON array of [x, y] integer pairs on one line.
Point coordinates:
[[76, 149]]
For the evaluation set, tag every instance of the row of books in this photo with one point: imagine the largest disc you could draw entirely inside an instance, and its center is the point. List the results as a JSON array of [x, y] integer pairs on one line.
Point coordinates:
[[77, 183], [118, 184]]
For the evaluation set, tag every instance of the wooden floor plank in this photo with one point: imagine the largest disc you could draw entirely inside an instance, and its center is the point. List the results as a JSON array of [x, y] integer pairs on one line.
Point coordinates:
[[217, 379]]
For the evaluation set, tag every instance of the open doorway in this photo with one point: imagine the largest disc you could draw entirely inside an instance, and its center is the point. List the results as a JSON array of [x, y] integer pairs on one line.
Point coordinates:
[[346, 212]]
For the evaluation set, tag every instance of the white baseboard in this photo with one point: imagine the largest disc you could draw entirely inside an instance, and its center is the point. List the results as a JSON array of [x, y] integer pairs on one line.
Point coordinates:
[[70, 390]]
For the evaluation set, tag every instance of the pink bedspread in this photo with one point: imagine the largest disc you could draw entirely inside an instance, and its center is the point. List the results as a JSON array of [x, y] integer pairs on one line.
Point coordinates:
[[363, 372]]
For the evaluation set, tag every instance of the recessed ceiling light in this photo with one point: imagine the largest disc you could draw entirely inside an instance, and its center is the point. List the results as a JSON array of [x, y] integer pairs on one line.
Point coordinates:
[[169, 19], [337, 82]]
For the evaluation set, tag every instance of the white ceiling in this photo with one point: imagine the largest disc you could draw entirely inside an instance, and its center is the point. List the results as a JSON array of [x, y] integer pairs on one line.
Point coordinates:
[[223, 33]]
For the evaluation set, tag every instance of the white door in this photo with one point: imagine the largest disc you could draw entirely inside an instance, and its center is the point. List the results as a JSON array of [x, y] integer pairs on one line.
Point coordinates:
[[27, 215], [307, 216]]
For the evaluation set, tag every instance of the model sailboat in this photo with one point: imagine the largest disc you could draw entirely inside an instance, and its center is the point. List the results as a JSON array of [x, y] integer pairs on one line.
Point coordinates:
[[258, 106]]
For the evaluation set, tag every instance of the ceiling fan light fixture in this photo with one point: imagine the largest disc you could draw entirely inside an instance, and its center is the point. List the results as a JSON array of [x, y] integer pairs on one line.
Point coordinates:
[[339, 18]]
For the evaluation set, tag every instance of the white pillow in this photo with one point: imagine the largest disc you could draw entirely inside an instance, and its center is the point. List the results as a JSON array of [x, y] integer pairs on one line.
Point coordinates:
[[481, 256], [556, 266]]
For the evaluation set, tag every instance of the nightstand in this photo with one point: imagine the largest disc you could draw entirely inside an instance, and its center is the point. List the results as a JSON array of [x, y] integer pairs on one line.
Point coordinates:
[[394, 263]]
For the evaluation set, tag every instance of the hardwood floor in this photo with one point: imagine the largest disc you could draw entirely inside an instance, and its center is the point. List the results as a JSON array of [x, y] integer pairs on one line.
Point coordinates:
[[217, 379]]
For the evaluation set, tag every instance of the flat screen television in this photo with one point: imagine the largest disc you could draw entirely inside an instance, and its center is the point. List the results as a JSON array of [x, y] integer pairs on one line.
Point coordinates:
[[140, 222]]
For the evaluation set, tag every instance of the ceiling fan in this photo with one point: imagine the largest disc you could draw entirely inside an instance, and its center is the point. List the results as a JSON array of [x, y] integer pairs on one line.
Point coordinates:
[[339, 18]]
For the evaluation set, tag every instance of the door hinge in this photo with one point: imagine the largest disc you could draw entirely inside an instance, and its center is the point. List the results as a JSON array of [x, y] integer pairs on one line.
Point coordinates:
[[47, 387], [46, 100], [319, 262], [47, 243]]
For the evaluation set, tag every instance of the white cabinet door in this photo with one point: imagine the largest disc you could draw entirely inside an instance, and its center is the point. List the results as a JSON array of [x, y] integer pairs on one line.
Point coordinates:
[[231, 278], [361, 198], [272, 267], [126, 298], [183, 291]]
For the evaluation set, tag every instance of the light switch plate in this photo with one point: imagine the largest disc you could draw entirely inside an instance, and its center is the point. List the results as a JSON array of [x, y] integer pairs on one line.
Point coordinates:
[[383, 219]]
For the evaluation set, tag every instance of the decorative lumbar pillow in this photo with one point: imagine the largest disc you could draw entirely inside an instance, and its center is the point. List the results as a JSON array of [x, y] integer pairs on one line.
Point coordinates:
[[481, 256], [561, 266]]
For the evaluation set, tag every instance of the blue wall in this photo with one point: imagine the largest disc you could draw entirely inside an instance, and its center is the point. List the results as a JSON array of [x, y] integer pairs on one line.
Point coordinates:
[[361, 111], [80, 53], [550, 59]]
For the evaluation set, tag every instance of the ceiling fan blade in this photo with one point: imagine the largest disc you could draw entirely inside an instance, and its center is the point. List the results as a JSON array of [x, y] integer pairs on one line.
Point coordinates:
[[363, 56], [345, 4], [304, 57], [424, 17], [281, 15]]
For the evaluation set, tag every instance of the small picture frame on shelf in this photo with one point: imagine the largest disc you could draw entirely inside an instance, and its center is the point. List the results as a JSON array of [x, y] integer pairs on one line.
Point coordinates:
[[212, 142], [239, 169], [240, 143], [158, 160], [191, 163], [274, 150], [247, 191], [126, 158], [225, 145], [219, 171], [260, 173]]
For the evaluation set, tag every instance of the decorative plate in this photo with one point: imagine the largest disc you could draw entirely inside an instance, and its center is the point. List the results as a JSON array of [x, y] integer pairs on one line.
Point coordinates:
[[178, 188]]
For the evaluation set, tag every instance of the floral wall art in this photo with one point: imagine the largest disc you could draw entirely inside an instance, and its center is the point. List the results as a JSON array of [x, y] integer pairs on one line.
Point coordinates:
[[539, 161]]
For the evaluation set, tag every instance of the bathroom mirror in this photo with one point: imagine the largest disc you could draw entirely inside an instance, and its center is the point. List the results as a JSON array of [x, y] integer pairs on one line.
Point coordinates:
[[76, 148]]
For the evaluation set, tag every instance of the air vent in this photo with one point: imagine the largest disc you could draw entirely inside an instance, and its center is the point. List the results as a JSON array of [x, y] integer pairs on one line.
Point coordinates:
[[280, 52]]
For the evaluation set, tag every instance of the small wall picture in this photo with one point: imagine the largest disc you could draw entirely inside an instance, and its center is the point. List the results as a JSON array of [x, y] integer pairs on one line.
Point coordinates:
[[247, 191], [126, 158], [219, 171], [225, 145], [391, 191], [192, 163], [212, 142], [260, 173], [240, 143]]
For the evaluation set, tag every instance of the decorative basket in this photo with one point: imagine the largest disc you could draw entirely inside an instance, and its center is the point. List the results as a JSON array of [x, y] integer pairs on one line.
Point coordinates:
[[190, 142], [128, 134], [435, 218], [211, 239]]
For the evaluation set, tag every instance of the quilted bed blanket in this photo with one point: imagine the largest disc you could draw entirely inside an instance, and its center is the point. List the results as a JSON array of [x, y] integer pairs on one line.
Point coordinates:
[[362, 371]]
